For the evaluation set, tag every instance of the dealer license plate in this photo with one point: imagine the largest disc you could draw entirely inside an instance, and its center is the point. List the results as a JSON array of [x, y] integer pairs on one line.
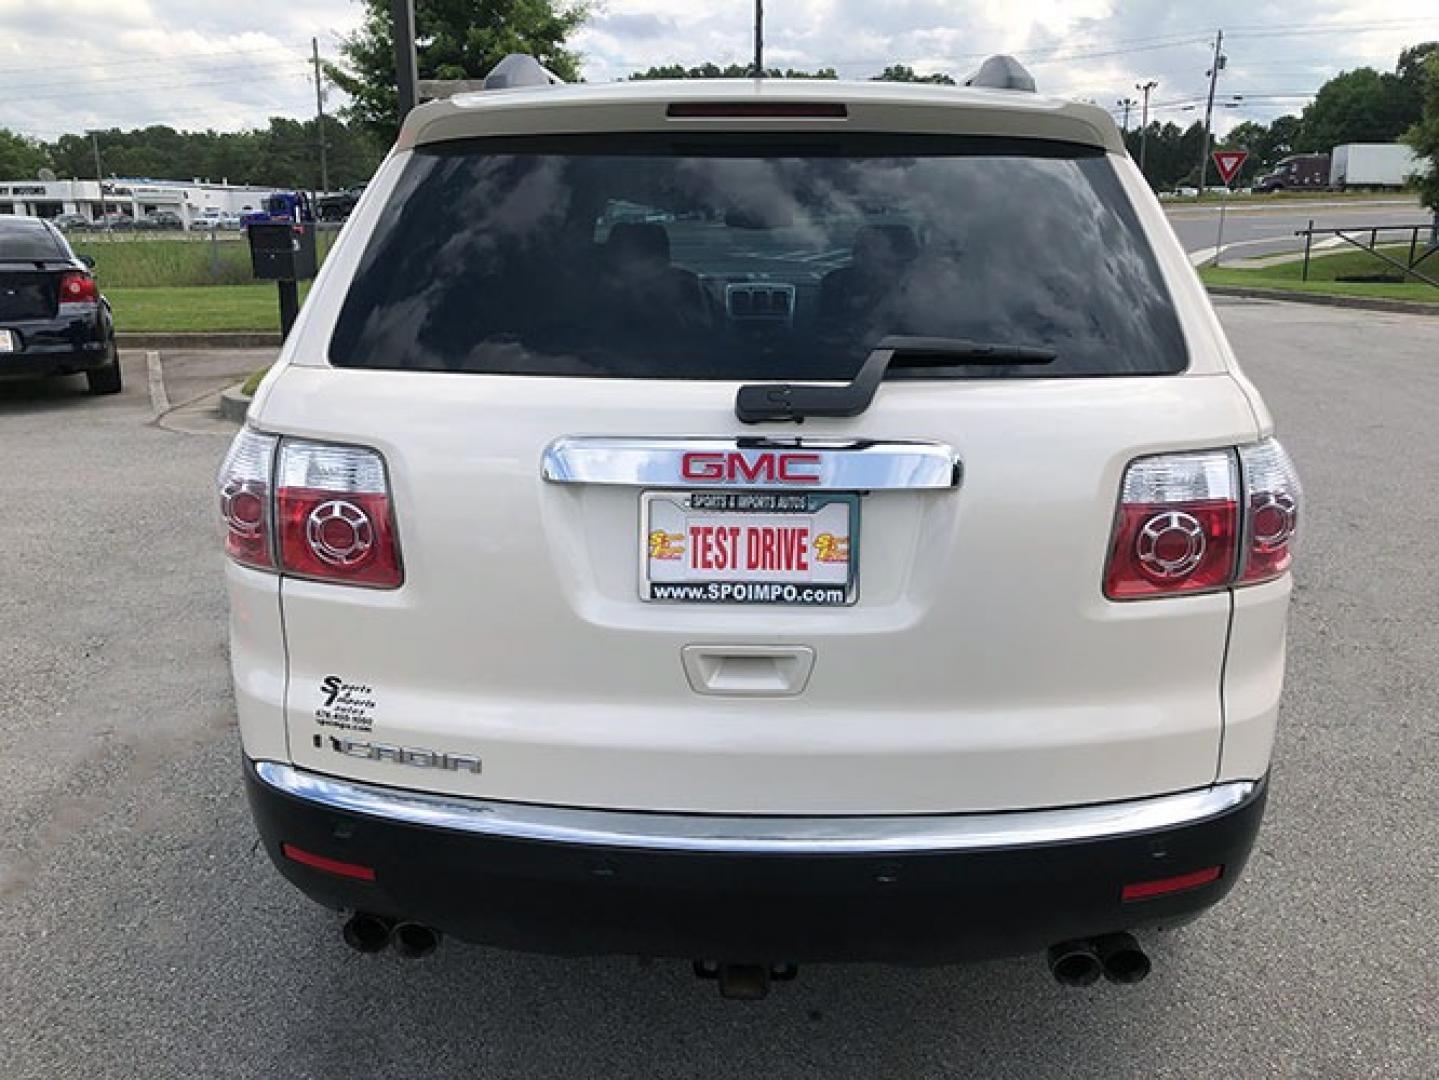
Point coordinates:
[[749, 547], [7, 341]]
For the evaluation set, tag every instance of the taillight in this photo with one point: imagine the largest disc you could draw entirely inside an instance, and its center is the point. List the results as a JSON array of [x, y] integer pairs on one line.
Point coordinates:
[[1199, 521], [1178, 526], [1272, 498], [245, 499], [78, 287], [333, 515]]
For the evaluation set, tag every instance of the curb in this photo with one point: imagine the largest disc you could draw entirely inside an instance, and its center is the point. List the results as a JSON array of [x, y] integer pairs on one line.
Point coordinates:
[[234, 405], [219, 340], [1405, 307]]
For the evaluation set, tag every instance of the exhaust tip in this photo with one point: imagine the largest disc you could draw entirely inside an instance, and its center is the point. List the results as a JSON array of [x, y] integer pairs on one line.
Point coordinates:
[[1123, 959], [1074, 963], [414, 941], [366, 933]]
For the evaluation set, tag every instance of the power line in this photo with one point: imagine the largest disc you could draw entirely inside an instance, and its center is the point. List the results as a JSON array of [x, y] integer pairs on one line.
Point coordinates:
[[153, 61], [150, 87], [130, 80]]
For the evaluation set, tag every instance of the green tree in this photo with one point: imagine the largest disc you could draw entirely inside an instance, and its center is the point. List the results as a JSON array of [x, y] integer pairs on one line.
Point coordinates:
[[1424, 135], [729, 71], [1356, 107], [1410, 72], [456, 39], [905, 73], [21, 157], [284, 154]]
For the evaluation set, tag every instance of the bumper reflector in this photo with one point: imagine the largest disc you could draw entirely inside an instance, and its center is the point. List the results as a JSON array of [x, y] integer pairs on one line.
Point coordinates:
[[328, 865], [1144, 890]]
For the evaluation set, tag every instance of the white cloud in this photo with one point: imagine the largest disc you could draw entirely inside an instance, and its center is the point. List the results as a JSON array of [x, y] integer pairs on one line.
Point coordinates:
[[68, 65]]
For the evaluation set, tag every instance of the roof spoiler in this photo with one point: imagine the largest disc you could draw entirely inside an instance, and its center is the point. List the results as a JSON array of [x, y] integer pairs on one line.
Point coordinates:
[[1001, 73]]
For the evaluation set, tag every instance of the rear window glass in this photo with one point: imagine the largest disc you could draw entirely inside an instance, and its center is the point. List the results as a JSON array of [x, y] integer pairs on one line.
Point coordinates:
[[649, 257], [27, 241]]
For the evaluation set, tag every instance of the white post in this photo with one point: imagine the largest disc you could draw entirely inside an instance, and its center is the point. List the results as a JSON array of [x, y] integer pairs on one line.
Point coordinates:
[[1219, 240]]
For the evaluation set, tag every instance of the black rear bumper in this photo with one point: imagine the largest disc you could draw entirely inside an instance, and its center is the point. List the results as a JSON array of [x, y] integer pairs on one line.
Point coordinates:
[[59, 346], [901, 907]]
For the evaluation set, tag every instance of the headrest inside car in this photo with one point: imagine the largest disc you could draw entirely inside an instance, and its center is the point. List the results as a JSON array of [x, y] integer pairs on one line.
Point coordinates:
[[633, 241]]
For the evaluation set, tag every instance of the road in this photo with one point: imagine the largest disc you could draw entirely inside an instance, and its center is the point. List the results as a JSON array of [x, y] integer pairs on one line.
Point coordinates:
[[1252, 229], [144, 936]]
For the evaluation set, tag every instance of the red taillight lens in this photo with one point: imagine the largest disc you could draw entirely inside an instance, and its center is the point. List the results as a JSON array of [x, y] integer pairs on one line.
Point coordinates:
[[1178, 526], [1145, 890], [334, 516], [327, 864], [245, 499], [77, 287], [1272, 498]]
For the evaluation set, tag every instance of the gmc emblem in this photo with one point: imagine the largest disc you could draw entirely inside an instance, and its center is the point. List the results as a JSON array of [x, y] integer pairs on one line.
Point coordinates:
[[736, 467]]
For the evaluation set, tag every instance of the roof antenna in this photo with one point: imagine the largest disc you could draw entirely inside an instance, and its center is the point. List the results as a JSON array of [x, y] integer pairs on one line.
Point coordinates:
[[758, 71], [1002, 73]]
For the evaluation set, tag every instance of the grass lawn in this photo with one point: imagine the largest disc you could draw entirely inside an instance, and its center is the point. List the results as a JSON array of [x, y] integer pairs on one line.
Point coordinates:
[[1323, 269], [141, 260], [253, 382], [198, 309]]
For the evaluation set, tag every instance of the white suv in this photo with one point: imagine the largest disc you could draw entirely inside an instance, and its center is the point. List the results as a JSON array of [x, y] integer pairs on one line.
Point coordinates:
[[758, 522]]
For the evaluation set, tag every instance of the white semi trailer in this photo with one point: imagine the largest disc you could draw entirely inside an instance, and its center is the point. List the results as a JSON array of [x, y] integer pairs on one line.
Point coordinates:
[[1372, 165]]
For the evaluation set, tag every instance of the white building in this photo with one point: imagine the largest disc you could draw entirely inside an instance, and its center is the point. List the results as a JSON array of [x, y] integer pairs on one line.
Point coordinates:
[[133, 197]]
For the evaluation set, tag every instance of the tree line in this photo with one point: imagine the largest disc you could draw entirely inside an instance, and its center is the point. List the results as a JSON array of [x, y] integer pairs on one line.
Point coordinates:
[[284, 154]]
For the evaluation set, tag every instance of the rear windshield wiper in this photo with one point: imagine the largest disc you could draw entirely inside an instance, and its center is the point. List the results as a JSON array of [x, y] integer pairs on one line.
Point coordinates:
[[757, 402]]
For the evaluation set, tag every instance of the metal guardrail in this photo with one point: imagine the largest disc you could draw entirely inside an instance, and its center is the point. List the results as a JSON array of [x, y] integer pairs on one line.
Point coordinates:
[[1413, 260]]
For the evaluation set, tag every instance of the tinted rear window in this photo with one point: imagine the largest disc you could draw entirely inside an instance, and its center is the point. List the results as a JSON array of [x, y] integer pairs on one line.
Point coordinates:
[[647, 257], [28, 241]]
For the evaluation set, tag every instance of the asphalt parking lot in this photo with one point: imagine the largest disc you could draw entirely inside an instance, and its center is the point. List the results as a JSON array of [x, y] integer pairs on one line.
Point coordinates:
[[143, 935]]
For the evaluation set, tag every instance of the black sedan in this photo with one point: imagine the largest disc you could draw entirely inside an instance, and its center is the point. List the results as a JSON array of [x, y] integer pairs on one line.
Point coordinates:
[[53, 320]]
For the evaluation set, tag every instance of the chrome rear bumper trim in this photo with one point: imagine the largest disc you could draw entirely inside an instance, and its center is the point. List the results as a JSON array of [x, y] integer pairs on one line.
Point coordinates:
[[760, 835], [835, 464]]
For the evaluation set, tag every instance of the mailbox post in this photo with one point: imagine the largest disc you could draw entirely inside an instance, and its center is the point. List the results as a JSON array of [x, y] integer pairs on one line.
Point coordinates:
[[284, 253]]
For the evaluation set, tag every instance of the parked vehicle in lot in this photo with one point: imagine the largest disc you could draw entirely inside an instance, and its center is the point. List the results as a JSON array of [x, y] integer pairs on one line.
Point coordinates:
[[206, 220], [871, 551], [160, 221], [281, 207], [70, 222], [1376, 166], [53, 318], [217, 221], [338, 205], [1297, 172], [115, 220]]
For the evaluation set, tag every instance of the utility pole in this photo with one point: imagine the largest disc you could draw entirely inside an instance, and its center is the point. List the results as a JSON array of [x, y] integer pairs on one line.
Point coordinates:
[[1144, 88], [759, 39], [1214, 69], [320, 114], [403, 13], [1126, 104], [99, 177]]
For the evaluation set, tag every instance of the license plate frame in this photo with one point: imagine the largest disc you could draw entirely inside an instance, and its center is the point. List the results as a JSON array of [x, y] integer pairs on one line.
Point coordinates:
[[7, 341], [827, 587]]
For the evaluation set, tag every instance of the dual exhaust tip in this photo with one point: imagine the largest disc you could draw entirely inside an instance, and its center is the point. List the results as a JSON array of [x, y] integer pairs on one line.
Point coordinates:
[[1117, 957], [368, 933]]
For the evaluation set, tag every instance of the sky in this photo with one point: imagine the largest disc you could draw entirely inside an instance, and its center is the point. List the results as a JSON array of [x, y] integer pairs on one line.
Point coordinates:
[[69, 65]]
